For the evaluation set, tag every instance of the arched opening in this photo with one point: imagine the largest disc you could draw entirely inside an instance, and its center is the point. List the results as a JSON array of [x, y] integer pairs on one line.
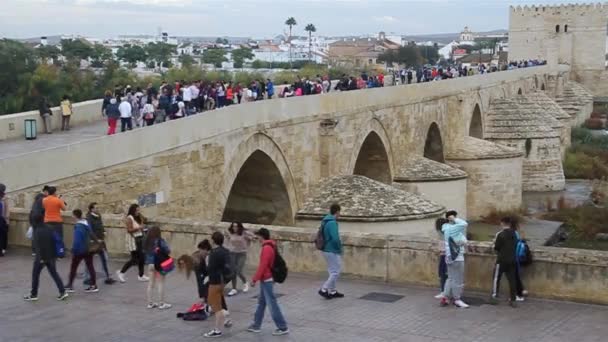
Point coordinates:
[[433, 147], [476, 128], [372, 161], [565, 28], [258, 194], [520, 92], [556, 28], [542, 87]]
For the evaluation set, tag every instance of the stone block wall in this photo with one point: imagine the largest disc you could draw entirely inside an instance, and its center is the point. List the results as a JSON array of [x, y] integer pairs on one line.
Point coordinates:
[[452, 194], [558, 273], [492, 184]]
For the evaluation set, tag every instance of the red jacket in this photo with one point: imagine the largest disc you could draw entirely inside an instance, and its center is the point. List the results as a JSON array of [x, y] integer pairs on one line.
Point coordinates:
[[267, 254]]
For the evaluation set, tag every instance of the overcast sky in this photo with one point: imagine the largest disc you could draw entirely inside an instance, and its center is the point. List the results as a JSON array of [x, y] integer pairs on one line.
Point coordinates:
[[256, 18]]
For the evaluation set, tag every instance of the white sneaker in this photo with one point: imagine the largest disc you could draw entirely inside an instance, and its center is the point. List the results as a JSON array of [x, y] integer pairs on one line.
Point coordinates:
[[164, 306], [459, 303], [439, 296], [246, 288], [152, 305], [519, 299], [232, 292], [143, 278], [121, 277]]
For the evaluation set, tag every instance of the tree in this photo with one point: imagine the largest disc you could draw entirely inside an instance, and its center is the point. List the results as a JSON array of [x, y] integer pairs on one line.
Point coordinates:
[[215, 57], [47, 52], [17, 63], [241, 55], [291, 22], [75, 50], [310, 28], [222, 41], [409, 55], [186, 61], [100, 55], [160, 53], [131, 54]]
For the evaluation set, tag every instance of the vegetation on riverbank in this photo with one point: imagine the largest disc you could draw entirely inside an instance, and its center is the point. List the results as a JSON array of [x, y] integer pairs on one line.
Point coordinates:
[[587, 158]]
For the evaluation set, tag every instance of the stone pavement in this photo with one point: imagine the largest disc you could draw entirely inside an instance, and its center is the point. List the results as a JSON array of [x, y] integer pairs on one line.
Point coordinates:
[[13, 147], [118, 313]]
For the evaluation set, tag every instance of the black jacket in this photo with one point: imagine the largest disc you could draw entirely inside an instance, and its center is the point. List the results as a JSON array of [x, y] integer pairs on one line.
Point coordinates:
[[96, 225], [37, 211], [218, 259], [505, 245]]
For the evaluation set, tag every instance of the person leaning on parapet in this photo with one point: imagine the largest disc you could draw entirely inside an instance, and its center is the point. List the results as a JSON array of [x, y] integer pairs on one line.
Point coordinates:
[[46, 113], [53, 205], [332, 251]]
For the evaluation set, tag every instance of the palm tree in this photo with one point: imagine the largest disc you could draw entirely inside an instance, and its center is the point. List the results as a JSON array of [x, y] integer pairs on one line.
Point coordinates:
[[310, 28], [291, 22]]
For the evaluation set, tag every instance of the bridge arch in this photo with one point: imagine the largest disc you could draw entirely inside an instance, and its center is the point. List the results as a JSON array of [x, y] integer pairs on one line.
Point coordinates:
[[433, 146], [372, 154], [258, 185], [476, 125], [520, 92]]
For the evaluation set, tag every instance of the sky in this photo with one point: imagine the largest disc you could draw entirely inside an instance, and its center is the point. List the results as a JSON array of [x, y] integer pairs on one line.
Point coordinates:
[[249, 18]]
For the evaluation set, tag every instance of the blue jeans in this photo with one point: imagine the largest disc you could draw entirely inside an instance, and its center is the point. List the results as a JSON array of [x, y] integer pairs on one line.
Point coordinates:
[[334, 267], [267, 297]]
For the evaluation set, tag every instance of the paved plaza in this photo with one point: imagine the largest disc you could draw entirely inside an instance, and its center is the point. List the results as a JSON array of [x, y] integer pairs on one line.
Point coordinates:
[[118, 313]]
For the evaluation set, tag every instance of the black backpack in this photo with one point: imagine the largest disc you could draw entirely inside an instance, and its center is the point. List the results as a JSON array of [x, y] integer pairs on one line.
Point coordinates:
[[320, 238], [279, 267]]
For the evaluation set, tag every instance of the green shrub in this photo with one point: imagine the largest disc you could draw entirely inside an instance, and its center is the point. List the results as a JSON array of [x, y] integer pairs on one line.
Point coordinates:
[[584, 222]]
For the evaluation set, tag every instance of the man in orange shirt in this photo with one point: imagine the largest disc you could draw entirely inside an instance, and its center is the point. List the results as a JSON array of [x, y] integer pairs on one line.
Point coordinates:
[[53, 206]]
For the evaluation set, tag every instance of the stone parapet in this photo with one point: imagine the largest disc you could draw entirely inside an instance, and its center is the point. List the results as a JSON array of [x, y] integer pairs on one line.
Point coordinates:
[[559, 273]]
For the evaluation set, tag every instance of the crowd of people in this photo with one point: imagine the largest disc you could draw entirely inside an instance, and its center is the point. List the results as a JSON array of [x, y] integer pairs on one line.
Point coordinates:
[[220, 261]]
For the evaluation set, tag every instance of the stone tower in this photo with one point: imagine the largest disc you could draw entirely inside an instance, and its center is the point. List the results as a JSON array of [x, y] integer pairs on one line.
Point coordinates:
[[564, 34]]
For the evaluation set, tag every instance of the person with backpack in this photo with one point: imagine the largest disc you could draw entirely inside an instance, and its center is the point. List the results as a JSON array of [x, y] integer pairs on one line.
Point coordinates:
[[264, 275], [505, 246], [82, 249], [332, 251], [219, 275], [523, 257], [156, 249], [112, 111], [3, 220], [454, 234], [96, 223]]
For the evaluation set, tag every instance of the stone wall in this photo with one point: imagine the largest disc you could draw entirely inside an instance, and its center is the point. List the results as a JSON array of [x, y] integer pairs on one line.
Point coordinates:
[[559, 273], [12, 125], [452, 194], [492, 184]]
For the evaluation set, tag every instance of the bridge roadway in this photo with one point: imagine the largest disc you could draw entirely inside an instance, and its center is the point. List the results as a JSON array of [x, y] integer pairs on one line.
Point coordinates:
[[118, 313], [13, 147]]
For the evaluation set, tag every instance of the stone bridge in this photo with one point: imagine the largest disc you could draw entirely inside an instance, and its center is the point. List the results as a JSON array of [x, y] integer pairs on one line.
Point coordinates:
[[420, 147]]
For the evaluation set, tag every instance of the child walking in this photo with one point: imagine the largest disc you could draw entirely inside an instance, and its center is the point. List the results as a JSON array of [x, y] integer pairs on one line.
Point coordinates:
[[81, 251], [239, 239], [153, 246]]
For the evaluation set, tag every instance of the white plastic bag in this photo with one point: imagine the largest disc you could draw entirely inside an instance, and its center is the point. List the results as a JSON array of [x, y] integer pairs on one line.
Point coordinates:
[[30, 232]]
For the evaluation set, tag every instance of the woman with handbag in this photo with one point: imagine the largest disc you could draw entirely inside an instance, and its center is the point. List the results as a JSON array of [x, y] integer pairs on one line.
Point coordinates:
[[134, 242], [83, 249], [159, 264]]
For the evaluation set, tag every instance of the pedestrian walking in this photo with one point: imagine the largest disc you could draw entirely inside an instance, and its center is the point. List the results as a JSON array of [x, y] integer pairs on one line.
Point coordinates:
[[219, 275], [454, 232], [134, 243], [112, 112], [96, 223], [36, 217], [239, 240], [82, 249], [332, 251], [155, 245], [125, 109], [267, 297]]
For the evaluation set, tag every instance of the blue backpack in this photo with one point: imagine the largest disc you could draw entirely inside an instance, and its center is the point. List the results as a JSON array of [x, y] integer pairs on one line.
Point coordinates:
[[523, 253]]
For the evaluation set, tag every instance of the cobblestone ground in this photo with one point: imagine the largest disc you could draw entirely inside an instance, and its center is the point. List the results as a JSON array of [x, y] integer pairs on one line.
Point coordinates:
[[118, 313]]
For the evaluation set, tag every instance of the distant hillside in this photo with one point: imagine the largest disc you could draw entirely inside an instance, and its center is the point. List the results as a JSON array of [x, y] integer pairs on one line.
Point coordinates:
[[447, 37]]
